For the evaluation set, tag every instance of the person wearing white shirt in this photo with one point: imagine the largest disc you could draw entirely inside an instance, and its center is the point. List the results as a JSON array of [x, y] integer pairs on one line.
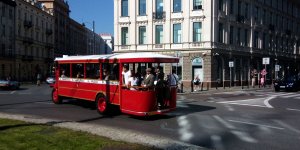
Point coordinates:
[[126, 74]]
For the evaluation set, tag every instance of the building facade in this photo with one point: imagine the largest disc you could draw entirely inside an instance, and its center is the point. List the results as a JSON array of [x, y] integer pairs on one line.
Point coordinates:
[[108, 43], [7, 36], [208, 35]]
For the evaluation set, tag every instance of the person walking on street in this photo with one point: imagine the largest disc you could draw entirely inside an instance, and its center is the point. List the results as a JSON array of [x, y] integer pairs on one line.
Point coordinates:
[[38, 77]]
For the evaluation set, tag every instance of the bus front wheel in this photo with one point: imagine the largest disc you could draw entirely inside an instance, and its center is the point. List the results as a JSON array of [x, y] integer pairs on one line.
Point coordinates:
[[55, 97], [102, 104]]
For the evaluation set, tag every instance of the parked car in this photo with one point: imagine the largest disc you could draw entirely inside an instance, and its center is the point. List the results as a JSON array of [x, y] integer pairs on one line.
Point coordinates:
[[50, 80], [291, 83], [7, 84]]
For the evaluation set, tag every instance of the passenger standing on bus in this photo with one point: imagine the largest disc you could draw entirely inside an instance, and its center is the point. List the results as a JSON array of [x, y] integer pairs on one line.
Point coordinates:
[[160, 88], [148, 82], [126, 74]]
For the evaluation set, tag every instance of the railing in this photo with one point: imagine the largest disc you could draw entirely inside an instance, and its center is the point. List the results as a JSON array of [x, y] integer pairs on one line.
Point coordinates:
[[28, 24], [159, 15]]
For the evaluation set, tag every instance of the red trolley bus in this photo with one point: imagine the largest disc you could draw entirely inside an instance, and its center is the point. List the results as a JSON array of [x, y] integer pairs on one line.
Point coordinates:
[[99, 78]]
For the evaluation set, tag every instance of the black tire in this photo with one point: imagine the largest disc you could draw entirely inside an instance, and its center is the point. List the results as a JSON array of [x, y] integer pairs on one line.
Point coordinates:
[[102, 104], [56, 99]]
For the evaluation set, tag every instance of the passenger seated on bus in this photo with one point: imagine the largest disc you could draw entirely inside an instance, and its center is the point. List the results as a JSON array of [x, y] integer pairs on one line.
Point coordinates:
[[63, 74], [132, 81], [79, 75], [148, 82], [107, 76]]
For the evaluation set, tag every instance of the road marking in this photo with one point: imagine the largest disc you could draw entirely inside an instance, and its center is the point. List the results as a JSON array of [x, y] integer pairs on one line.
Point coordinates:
[[184, 131], [24, 93], [48, 103], [297, 97], [232, 103], [229, 107], [293, 109], [217, 141], [244, 136], [287, 126], [249, 123], [12, 92], [181, 104], [226, 124], [266, 102]]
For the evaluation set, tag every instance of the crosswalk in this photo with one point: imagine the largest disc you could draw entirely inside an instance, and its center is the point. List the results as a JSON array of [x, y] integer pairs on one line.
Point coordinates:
[[295, 95]]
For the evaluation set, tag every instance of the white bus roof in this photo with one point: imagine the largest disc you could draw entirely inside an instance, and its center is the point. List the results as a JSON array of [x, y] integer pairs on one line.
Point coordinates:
[[120, 56]]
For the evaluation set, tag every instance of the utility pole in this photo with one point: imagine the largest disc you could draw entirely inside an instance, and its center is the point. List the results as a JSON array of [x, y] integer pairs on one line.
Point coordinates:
[[94, 38]]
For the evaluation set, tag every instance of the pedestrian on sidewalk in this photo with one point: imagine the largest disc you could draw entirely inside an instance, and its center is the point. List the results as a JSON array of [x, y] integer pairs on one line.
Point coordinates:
[[262, 82], [196, 83]]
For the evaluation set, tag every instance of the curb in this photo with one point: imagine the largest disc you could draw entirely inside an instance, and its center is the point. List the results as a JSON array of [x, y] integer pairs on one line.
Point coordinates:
[[117, 134]]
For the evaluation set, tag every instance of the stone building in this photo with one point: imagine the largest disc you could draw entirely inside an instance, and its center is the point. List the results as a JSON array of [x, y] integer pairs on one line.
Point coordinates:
[[7, 36], [207, 35]]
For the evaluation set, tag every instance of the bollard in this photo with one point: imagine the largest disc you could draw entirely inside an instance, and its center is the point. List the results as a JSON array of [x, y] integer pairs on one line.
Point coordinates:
[[181, 87], [192, 86]]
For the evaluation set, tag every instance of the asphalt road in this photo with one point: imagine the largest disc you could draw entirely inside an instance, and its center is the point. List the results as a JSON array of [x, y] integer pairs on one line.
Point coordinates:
[[238, 120]]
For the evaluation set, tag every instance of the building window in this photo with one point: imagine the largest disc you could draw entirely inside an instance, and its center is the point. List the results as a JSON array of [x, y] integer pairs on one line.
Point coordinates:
[[255, 44], [246, 11], [3, 30], [176, 5], [142, 7], [159, 34], [142, 35], [159, 10], [221, 33], [197, 31], [124, 7], [124, 36], [231, 35], [246, 38], [221, 5], [177, 33], [197, 4], [231, 7], [238, 38]]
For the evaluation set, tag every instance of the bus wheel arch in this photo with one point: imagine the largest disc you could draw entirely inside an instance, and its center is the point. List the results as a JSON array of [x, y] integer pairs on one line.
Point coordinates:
[[56, 99], [102, 104]]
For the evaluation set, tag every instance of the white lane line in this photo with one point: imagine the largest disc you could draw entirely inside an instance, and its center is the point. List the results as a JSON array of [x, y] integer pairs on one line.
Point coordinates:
[[297, 97], [294, 95], [184, 131], [217, 142], [229, 107], [246, 104], [244, 136], [255, 124], [12, 92], [293, 109], [266, 102], [24, 93], [48, 103], [181, 104], [287, 126], [222, 121]]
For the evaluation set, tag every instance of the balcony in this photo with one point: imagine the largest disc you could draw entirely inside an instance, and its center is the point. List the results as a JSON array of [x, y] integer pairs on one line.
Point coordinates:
[[27, 58], [159, 15], [240, 19], [49, 46], [28, 24], [49, 32]]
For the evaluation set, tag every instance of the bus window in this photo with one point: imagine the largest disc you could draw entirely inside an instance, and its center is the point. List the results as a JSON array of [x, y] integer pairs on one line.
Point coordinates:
[[110, 71], [77, 70], [92, 71], [64, 70]]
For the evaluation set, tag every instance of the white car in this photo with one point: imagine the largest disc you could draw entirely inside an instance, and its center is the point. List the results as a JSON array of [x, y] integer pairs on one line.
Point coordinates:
[[50, 80]]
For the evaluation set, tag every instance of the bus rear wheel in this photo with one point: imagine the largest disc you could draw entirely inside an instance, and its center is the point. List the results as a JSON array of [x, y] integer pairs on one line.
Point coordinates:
[[101, 104], [56, 99]]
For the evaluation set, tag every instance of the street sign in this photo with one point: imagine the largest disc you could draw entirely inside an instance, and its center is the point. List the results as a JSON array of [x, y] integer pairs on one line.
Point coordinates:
[[231, 64], [266, 61], [277, 67]]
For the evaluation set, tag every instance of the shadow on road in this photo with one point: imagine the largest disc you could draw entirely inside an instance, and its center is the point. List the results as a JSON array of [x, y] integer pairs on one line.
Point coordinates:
[[24, 103]]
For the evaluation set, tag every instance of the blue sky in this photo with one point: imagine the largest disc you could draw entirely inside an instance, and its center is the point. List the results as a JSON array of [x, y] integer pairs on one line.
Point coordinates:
[[100, 11]]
